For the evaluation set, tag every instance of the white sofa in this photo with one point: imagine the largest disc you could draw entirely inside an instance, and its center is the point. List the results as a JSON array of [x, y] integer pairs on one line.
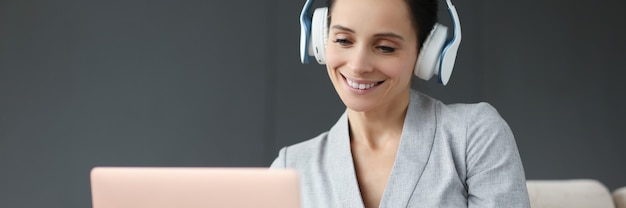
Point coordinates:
[[619, 196], [576, 193]]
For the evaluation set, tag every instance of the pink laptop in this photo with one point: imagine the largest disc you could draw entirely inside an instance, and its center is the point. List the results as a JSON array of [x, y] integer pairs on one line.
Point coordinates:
[[142, 187]]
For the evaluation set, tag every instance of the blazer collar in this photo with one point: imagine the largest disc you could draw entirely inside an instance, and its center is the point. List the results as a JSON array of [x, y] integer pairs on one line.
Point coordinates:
[[413, 152], [416, 142], [344, 183]]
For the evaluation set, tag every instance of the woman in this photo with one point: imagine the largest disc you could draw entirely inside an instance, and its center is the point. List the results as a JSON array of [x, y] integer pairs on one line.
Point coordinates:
[[395, 147]]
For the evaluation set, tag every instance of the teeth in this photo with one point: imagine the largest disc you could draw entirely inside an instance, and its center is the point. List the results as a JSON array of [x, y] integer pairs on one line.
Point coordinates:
[[360, 86]]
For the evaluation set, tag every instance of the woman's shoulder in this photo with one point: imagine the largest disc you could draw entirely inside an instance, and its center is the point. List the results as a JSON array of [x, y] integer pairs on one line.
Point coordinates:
[[309, 146], [471, 112], [466, 123], [475, 124], [301, 152], [460, 112], [480, 123]]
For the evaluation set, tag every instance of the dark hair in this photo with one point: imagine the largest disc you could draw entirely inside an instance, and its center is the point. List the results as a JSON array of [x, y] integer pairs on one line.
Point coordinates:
[[424, 13]]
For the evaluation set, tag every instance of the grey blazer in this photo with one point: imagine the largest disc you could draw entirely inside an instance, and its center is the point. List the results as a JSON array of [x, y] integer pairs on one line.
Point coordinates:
[[460, 155]]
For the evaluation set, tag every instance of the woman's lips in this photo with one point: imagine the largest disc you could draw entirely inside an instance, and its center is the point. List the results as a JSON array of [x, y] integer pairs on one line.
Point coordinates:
[[361, 85]]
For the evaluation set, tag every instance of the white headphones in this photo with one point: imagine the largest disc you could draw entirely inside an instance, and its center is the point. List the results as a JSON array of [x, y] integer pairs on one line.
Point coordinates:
[[437, 55]]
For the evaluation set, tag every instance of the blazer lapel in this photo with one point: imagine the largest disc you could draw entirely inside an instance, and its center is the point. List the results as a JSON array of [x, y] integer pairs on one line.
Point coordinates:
[[340, 166], [416, 143]]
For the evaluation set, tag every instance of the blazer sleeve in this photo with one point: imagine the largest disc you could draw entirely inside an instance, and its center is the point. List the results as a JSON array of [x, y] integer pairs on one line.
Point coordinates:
[[495, 175], [280, 161]]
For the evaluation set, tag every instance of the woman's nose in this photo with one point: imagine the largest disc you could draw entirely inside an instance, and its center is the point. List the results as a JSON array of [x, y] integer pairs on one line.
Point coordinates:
[[360, 60]]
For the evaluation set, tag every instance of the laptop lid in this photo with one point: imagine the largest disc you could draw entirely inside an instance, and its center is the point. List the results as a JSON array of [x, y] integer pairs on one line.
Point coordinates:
[[164, 187]]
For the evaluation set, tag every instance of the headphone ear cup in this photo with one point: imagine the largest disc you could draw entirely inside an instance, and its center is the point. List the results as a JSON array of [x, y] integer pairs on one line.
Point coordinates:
[[428, 60], [319, 34]]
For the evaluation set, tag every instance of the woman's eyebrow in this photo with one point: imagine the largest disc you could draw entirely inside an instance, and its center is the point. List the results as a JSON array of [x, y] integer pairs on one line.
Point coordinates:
[[387, 35], [339, 27]]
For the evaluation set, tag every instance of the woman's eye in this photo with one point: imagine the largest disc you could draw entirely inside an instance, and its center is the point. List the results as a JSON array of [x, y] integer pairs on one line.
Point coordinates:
[[386, 49], [342, 41]]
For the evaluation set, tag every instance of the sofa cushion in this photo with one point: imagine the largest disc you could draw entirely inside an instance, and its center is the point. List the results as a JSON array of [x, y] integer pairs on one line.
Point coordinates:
[[619, 196], [578, 193]]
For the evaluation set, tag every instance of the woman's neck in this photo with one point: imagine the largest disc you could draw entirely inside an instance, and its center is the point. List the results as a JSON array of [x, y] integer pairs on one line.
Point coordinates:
[[377, 127]]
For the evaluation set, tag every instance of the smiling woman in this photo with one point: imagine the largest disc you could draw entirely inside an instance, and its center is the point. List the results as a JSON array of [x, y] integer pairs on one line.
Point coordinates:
[[395, 147]]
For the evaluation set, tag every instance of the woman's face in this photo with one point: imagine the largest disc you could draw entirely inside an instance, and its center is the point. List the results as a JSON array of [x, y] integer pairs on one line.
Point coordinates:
[[371, 52]]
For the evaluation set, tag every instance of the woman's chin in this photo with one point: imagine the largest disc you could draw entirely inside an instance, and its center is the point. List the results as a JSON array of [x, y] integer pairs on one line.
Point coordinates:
[[358, 105]]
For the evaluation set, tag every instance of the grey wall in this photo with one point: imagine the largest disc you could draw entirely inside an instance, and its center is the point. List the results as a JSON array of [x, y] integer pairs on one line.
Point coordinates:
[[219, 83]]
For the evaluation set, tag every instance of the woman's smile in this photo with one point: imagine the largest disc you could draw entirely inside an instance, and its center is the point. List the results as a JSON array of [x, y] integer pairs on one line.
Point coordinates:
[[360, 86]]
